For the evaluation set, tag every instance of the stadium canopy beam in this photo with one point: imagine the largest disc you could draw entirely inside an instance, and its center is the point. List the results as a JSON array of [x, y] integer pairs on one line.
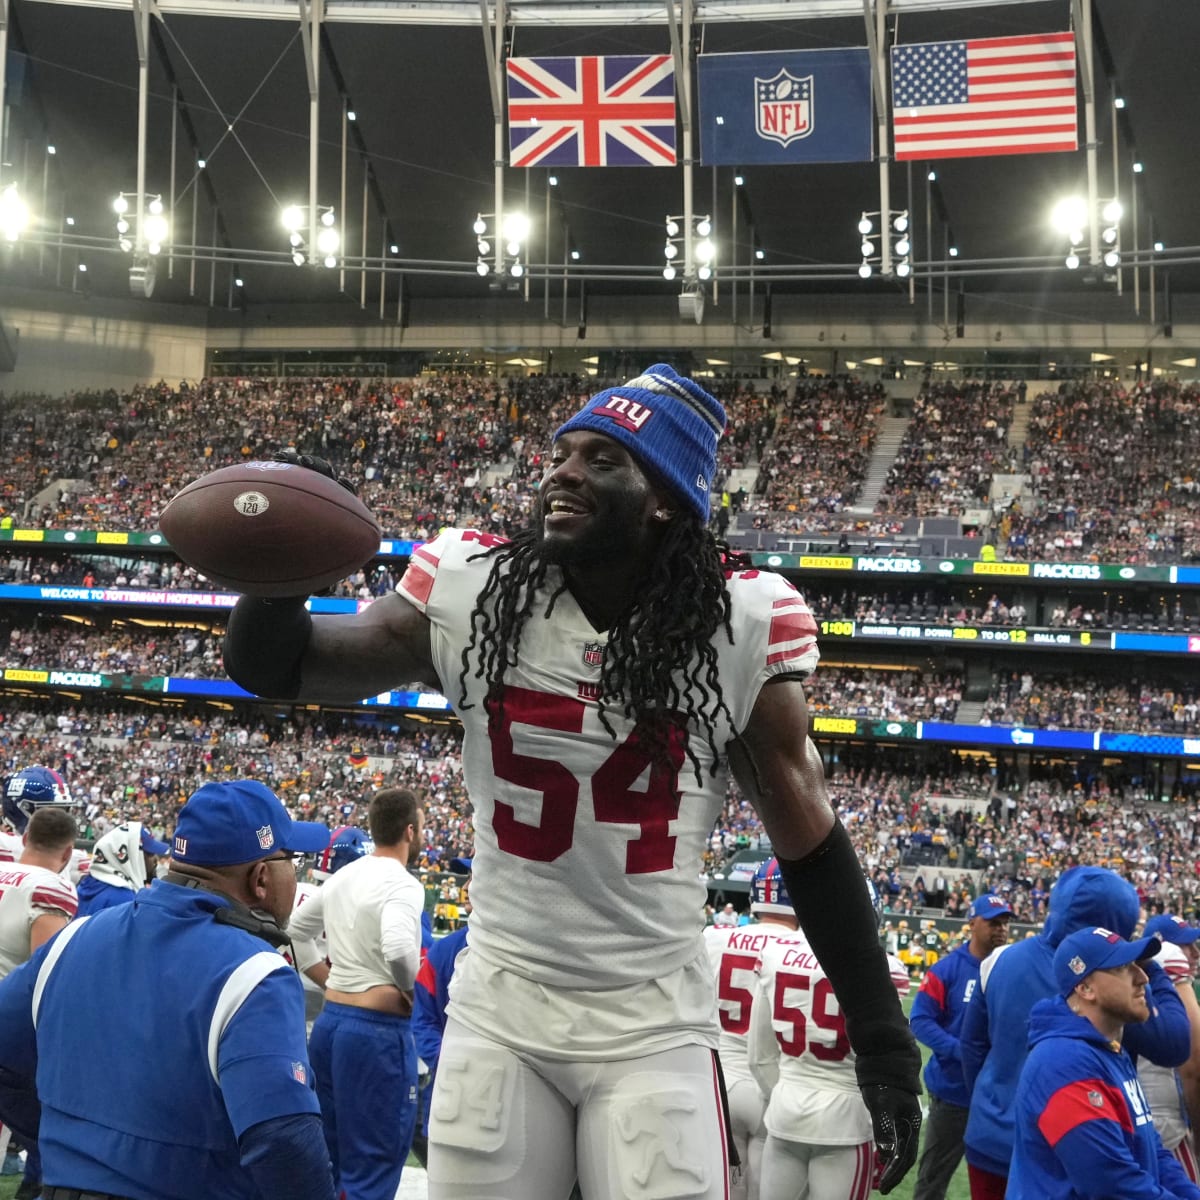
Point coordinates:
[[538, 12]]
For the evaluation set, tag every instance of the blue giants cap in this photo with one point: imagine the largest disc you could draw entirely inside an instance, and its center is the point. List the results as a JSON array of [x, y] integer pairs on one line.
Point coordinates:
[[224, 824], [151, 844], [668, 423], [988, 906], [1096, 949], [1169, 928]]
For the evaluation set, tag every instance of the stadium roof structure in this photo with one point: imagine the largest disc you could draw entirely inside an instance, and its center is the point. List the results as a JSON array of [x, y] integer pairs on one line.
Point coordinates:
[[229, 86]]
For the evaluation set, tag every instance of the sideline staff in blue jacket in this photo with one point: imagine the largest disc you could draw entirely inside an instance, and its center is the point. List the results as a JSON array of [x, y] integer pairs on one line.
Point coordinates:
[[1083, 1124], [1011, 981], [188, 968], [936, 1020]]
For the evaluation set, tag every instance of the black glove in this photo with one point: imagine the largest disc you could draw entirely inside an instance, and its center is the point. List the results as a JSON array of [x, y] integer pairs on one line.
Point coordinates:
[[896, 1119], [314, 463]]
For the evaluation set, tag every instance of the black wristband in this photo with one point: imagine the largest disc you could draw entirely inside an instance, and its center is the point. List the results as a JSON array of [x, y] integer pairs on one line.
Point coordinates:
[[830, 896], [265, 641]]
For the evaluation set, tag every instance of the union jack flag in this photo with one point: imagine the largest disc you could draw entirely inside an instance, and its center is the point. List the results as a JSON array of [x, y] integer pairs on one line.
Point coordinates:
[[592, 111]]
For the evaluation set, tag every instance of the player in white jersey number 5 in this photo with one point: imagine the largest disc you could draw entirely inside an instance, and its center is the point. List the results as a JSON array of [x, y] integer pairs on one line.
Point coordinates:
[[610, 666]]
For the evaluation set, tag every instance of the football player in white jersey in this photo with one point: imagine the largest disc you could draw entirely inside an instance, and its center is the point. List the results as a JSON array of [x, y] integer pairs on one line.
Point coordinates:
[[25, 791], [734, 956], [818, 1130], [1174, 1094], [611, 665], [36, 901]]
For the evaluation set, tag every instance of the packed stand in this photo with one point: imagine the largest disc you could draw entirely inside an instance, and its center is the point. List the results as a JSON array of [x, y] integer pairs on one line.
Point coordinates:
[[817, 460], [881, 694], [956, 441], [1084, 702], [1113, 475]]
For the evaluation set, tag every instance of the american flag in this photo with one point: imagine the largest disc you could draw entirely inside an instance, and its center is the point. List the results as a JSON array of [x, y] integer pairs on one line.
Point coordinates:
[[1009, 95], [613, 111]]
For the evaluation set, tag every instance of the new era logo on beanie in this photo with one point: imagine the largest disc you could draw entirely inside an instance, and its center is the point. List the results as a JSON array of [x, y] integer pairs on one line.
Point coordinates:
[[670, 424]]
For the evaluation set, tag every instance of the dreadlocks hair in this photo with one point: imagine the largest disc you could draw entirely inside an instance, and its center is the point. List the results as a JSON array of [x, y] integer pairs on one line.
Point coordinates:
[[660, 667]]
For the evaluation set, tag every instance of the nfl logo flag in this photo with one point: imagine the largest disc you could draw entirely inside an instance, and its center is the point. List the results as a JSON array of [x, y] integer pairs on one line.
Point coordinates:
[[615, 111], [1010, 95], [788, 107]]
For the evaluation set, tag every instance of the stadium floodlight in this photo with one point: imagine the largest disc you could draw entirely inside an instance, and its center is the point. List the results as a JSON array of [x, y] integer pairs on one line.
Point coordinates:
[[902, 247], [670, 250], [328, 241], [900, 222], [739, 181], [292, 218], [703, 227], [516, 270], [575, 255], [1138, 168], [516, 227], [120, 204], [1112, 259], [953, 251], [480, 226], [1069, 216], [932, 176], [327, 218], [865, 226], [668, 272], [705, 273], [868, 248], [1072, 261], [1112, 211], [759, 253], [481, 268], [484, 247], [903, 268], [394, 248], [672, 227], [1118, 102], [864, 271], [298, 258], [1158, 247], [706, 251]]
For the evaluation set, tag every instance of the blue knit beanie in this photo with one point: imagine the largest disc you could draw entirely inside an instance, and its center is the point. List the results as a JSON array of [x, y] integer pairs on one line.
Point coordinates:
[[668, 423]]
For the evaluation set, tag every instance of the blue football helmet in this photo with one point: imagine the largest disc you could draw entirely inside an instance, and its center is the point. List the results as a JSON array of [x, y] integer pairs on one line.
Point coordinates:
[[768, 893], [30, 789], [347, 844]]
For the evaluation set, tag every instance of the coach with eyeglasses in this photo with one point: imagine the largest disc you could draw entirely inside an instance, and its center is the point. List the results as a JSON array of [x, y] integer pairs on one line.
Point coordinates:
[[157, 1049]]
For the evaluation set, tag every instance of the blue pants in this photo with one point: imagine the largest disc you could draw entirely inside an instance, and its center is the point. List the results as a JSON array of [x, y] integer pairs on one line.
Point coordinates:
[[365, 1066]]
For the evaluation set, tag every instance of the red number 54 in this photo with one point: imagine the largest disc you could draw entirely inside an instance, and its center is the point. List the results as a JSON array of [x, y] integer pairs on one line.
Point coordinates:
[[613, 800]]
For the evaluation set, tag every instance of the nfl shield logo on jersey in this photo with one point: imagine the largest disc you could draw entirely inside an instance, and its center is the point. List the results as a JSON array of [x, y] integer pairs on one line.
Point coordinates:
[[783, 107], [299, 1074], [593, 653], [266, 837]]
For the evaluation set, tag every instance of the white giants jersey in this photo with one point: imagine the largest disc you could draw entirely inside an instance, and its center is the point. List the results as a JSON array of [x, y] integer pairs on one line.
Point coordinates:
[[587, 861], [733, 955], [1161, 1084], [309, 951], [799, 1052], [12, 846], [26, 893]]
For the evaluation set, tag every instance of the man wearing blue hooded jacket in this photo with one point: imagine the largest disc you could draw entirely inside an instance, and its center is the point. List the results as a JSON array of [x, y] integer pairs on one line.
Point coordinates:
[[1084, 1127], [1012, 980]]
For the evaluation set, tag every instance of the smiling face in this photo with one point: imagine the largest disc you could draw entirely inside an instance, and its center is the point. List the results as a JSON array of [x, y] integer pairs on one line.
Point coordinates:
[[595, 502]]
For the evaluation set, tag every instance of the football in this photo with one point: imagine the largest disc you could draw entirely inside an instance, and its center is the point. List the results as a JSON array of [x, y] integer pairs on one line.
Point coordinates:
[[270, 528]]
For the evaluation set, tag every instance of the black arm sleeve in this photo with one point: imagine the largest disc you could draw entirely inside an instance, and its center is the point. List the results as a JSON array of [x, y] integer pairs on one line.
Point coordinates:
[[287, 1159], [264, 643], [831, 899]]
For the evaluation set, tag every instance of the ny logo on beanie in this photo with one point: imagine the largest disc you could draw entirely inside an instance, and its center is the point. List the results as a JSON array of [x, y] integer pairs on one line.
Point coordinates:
[[629, 414]]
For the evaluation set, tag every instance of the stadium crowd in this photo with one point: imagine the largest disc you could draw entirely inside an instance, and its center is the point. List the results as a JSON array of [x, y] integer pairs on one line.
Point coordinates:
[[1106, 463], [1112, 475], [956, 441], [936, 818]]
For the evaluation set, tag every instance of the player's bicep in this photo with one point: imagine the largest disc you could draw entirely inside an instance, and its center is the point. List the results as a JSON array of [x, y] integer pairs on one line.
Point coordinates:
[[44, 927], [780, 770], [389, 643]]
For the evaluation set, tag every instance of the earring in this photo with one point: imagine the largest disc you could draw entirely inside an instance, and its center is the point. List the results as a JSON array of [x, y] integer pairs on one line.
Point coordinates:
[[661, 514]]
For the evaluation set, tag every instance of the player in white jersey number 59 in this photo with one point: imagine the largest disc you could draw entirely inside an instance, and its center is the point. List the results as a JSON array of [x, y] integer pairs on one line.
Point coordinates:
[[611, 665]]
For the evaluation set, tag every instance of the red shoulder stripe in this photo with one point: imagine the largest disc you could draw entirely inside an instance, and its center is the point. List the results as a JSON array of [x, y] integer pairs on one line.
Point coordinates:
[[1079, 1101], [934, 988]]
